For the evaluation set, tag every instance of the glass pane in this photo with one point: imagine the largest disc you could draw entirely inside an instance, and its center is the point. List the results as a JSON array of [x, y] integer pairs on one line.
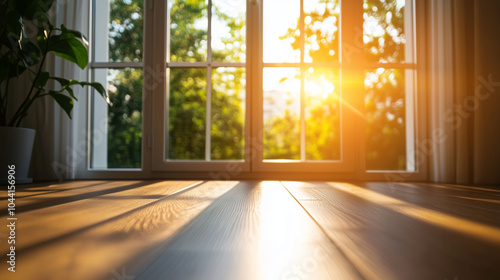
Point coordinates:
[[321, 23], [229, 30], [122, 40], [322, 114], [187, 113], [228, 113], [384, 30], [188, 30], [281, 113], [117, 130], [386, 119], [281, 31]]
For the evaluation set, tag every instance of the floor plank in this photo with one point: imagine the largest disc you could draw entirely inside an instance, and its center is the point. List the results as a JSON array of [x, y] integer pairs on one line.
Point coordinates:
[[92, 238], [406, 232], [254, 231]]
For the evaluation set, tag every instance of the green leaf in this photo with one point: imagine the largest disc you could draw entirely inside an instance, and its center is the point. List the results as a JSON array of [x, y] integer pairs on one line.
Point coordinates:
[[99, 88], [71, 93], [29, 53], [42, 38], [69, 48], [69, 33], [65, 82], [79, 35], [42, 80], [64, 101]]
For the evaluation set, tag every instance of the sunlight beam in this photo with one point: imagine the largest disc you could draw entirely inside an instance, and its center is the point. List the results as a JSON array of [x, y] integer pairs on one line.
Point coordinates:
[[423, 214]]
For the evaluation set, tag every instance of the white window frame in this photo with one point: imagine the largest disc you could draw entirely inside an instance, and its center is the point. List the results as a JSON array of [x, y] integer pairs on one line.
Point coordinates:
[[154, 63], [162, 61]]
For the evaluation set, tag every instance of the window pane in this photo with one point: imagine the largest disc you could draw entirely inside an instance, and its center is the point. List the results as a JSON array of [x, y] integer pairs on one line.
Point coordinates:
[[188, 30], [384, 30], [186, 113], [117, 130], [228, 113], [122, 40], [321, 23], [281, 113], [385, 104], [322, 114], [281, 30], [228, 30]]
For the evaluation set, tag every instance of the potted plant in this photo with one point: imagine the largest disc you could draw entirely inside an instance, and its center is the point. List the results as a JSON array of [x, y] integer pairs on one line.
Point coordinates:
[[24, 55]]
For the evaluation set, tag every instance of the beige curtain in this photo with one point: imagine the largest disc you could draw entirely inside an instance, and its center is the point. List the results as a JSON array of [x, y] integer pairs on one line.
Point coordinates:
[[58, 141], [463, 62]]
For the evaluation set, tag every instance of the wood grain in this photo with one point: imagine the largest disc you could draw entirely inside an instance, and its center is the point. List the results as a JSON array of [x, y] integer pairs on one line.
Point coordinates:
[[92, 238], [254, 231], [405, 232]]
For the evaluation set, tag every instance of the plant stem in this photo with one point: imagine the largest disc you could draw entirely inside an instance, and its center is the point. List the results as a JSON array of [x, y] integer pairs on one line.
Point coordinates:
[[24, 112], [21, 111]]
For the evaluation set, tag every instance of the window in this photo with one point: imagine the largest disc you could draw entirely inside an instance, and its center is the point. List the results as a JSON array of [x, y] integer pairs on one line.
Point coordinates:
[[257, 86], [117, 61], [388, 39], [206, 43]]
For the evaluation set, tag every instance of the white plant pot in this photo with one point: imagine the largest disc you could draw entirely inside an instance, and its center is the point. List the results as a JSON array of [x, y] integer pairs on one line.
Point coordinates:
[[16, 146]]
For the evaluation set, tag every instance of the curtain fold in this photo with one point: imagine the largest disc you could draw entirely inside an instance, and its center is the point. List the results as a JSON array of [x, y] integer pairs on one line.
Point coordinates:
[[487, 92], [463, 99], [58, 149]]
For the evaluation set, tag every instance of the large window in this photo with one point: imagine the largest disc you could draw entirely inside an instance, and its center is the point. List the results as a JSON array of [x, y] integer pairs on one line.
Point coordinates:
[[257, 86]]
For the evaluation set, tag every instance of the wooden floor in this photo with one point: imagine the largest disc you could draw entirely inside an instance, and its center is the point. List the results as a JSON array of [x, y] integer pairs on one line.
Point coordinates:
[[122, 230]]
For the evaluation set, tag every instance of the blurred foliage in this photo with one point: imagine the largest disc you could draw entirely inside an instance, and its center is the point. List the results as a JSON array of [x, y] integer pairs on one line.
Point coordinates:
[[125, 119], [320, 32], [383, 36], [385, 115], [383, 31], [125, 86], [228, 118], [322, 115], [187, 88], [281, 130], [187, 112], [126, 30], [188, 42]]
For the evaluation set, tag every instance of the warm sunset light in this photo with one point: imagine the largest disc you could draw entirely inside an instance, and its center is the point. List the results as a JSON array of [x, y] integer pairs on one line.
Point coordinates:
[[249, 139]]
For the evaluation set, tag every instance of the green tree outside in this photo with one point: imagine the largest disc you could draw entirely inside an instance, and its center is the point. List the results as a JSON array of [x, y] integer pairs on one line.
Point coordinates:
[[187, 88]]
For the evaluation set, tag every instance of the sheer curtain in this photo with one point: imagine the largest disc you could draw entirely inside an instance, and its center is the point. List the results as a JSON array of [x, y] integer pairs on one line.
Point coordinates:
[[463, 62], [59, 149]]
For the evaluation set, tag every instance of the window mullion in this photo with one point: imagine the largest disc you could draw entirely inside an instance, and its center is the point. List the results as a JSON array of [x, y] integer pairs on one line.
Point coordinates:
[[302, 87], [166, 77], [167, 32], [410, 86], [208, 117], [352, 81]]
